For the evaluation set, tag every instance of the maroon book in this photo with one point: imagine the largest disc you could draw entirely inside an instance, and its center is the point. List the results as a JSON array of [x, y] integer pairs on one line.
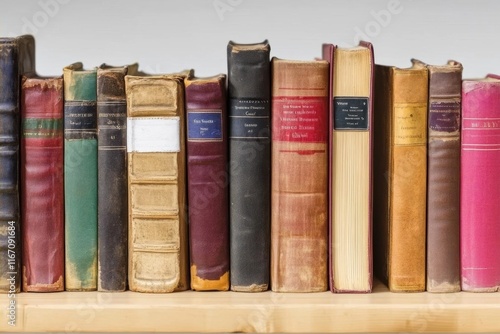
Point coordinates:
[[42, 206], [208, 191]]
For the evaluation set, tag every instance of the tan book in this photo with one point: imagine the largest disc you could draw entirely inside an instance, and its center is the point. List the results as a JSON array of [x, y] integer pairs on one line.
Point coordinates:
[[156, 183], [351, 148], [401, 97], [299, 162]]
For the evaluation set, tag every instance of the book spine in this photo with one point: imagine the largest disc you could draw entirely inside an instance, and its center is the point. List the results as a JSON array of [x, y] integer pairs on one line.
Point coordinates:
[[299, 176], [80, 179], [42, 203], [112, 218], [407, 230], [249, 92], [443, 180], [208, 183], [16, 58], [480, 187], [351, 186], [157, 243]]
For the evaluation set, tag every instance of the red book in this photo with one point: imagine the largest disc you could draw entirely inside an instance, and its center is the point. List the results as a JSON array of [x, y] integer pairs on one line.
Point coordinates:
[[42, 206], [208, 191], [480, 185]]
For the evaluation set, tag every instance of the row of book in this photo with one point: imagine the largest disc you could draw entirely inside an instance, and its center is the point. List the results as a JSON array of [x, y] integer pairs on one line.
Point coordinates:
[[298, 176]]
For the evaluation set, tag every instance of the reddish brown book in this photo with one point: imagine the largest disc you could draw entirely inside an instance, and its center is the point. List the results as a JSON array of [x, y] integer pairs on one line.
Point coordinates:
[[208, 192], [299, 163], [42, 205]]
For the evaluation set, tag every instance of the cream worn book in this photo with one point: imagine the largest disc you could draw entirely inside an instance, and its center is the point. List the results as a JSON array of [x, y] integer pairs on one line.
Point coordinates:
[[351, 143]]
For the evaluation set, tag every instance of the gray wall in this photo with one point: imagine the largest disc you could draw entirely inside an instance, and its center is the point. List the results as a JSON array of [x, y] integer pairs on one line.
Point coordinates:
[[170, 35]]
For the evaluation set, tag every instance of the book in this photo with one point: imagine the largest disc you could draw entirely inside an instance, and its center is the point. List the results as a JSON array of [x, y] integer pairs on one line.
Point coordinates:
[[42, 183], [157, 231], [80, 177], [351, 164], [299, 160], [400, 166], [249, 101], [480, 185], [443, 177], [17, 57], [207, 182], [112, 210]]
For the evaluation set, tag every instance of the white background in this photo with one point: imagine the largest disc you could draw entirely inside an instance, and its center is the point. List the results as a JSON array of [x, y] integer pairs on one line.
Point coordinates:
[[171, 35]]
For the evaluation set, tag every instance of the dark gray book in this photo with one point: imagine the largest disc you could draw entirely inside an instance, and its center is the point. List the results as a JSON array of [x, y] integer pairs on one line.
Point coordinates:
[[249, 93]]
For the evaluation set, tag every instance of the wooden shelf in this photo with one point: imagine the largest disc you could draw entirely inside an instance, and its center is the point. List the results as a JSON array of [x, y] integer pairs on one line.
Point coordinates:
[[380, 311]]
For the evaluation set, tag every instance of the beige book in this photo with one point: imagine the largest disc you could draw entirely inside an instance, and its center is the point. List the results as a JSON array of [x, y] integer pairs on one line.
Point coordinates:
[[351, 167], [157, 183]]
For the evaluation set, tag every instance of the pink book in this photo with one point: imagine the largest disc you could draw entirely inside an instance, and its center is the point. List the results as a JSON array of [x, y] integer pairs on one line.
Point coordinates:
[[480, 185]]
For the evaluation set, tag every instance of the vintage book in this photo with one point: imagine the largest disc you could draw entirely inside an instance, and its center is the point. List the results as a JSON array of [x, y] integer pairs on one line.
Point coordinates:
[[112, 211], [157, 231], [42, 183], [17, 57], [80, 177], [207, 181], [351, 163], [249, 101], [400, 164], [443, 177], [480, 185], [299, 208]]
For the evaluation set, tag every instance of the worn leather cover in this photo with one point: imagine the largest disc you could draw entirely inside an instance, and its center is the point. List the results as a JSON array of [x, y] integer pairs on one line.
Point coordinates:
[[443, 177], [42, 184], [480, 185], [80, 177], [401, 97], [355, 89], [249, 99], [157, 241], [207, 176], [17, 57], [112, 216], [299, 176]]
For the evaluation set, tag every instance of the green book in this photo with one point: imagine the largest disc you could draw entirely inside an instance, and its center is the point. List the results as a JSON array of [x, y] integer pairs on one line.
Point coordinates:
[[80, 177]]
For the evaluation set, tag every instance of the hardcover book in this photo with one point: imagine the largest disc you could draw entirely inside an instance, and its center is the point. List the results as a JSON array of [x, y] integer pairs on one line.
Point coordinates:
[[17, 57], [480, 185], [112, 211], [249, 101], [157, 231], [80, 177], [42, 184], [443, 177], [351, 161], [299, 210], [400, 167], [207, 182]]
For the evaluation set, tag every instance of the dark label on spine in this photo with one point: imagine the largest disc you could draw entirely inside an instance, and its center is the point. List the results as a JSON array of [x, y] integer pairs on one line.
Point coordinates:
[[206, 125], [444, 116], [80, 120], [249, 118], [350, 113]]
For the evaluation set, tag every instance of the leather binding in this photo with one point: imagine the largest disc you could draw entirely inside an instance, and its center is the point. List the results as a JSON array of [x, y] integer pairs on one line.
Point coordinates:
[[17, 57], [42, 184], [480, 185], [112, 213], [400, 166], [157, 234], [443, 177], [350, 143], [249, 98], [80, 177], [207, 179], [299, 163]]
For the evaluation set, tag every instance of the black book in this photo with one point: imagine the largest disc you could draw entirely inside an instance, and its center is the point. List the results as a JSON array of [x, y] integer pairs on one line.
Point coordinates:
[[249, 91]]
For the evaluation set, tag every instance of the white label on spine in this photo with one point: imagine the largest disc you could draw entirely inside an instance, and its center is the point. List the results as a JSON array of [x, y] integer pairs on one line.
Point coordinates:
[[153, 134]]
